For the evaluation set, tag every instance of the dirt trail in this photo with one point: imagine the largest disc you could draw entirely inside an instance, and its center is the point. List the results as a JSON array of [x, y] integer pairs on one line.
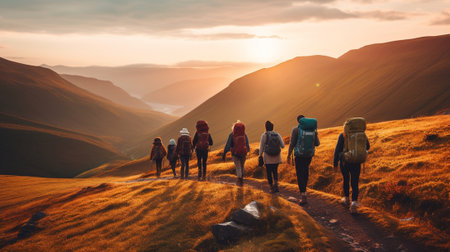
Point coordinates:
[[356, 232]]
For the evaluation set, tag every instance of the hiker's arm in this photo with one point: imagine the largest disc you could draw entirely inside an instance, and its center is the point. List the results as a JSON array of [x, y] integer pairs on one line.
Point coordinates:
[[227, 145], [367, 144], [194, 142], [293, 140], [210, 139], [316, 139], [261, 144], [164, 151], [338, 150], [281, 141]]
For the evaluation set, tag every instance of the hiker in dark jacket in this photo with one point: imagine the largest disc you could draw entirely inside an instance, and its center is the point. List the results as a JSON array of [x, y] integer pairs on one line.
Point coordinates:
[[349, 172], [172, 156], [301, 163], [157, 154], [238, 144], [202, 141], [184, 151], [270, 145]]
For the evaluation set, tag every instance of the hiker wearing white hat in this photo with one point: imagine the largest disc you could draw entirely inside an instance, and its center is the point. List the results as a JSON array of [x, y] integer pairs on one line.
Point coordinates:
[[184, 150]]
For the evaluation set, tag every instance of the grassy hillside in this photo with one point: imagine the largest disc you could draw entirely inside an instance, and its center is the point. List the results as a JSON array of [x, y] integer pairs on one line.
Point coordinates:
[[34, 149], [145, 216], [380, 82], [107, 90], [188, 93], [407, 173], [41, 95]]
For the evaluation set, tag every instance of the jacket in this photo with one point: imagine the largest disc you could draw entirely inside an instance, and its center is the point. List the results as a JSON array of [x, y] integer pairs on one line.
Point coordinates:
[[268, 159]]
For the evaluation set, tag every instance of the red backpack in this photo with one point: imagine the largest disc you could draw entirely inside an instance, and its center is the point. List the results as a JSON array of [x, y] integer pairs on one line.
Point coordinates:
[[185, 146], [202, 135], [239, 145]]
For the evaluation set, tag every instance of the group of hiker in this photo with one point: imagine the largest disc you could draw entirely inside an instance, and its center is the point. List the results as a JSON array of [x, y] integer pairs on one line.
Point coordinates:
[[350, 152]]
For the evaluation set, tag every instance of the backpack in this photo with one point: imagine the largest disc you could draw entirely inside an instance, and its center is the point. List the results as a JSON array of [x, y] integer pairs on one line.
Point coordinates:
[[185, 146], [202, 135], [157, 152], [305, 145], [171, 154], [355, 140], [272, 146], [239, 144]]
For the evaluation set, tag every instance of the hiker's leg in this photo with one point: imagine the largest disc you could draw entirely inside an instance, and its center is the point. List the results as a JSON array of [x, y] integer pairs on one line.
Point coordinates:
[[199, 162], [269, 168], [355, 171], [307, 162], [187, 167], [346, 179], [158, 167], [275, 173], [205, 158], [242, 159], [237, 163], [183, 164], [298, 172], [172, 165]]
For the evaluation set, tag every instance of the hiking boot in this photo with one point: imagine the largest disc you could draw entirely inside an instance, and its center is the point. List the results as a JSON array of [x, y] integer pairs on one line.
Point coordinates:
[[275, 187], [272, 189], [303, 199], [199, 179], [240, 182], [204, 178], [345, 201], [354, 207]]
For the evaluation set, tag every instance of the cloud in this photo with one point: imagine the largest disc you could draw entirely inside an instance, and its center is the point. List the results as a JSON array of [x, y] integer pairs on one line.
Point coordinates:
[[443, 19], [225, 36], [170, 17], [384, 15]]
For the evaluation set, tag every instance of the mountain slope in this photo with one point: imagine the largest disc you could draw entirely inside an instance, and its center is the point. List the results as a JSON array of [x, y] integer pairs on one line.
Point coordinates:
[[33, 149], [188, 94], [107, 90], [380, 82], [41, 95]]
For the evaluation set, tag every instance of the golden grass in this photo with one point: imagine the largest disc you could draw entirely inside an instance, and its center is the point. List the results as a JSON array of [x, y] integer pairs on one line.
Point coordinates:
[[165, 215]]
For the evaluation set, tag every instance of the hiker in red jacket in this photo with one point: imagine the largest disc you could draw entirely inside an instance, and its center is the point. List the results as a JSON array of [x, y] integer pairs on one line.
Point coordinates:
[[202, 141], [184, 151], [157, 154], [238, 143]]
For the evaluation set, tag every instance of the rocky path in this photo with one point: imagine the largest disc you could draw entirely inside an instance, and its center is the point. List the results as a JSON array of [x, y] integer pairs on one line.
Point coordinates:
[[356, 232]]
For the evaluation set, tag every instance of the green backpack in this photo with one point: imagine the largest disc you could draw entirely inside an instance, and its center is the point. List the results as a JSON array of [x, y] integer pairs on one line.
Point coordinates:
[[355, 140], [305, 146]]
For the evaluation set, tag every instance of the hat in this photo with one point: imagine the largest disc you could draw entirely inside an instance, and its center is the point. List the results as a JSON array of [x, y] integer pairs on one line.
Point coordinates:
[[184, 131], [172, 141]]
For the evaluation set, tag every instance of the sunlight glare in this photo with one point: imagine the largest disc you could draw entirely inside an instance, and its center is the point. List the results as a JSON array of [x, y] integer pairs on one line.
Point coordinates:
[[263, 49]]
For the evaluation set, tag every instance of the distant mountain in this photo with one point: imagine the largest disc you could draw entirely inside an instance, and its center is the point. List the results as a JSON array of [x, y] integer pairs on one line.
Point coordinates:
[[139, 80], [188, 94], [41, 95], [107, 90], [33, 149], [380, 82]]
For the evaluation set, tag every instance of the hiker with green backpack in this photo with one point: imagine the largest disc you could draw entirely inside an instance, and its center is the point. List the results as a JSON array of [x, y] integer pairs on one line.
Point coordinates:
[[304, 139], [270, 151], [351, 152]]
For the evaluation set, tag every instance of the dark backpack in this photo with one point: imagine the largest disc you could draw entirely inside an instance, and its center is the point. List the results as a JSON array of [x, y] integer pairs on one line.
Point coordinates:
[[185, 146], [157, 152], [171, 154], [273, 145], [202, 135], [239, 144], [305, 145]]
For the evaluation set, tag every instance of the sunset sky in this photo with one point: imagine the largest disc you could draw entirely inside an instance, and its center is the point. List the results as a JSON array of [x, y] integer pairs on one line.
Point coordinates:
[[113, 32]]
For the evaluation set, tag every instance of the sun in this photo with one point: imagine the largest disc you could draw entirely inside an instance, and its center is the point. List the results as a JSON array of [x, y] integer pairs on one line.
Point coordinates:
[[263, 49]]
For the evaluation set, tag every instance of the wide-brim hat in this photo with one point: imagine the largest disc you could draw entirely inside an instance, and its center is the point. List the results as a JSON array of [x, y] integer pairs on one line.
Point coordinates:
[[184, 131]]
